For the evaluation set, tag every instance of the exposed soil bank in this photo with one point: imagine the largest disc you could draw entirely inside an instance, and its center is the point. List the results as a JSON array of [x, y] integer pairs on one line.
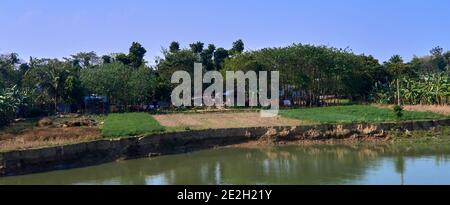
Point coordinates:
[[105, 150]]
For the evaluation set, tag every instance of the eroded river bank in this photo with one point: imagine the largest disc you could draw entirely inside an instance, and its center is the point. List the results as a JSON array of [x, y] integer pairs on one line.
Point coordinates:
[[110, 150], [300, 164]]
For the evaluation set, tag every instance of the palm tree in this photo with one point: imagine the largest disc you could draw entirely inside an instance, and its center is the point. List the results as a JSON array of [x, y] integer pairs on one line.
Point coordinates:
[[51, 79], [396, 66]]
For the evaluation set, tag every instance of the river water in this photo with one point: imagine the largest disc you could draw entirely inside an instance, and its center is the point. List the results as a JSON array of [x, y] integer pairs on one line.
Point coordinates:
[[313, 164]]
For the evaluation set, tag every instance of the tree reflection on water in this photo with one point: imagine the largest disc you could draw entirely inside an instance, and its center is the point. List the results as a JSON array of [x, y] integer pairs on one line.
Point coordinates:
[[313, 164]]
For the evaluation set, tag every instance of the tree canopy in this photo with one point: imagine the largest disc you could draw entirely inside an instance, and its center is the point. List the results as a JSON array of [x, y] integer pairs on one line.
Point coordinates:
[[309, 75]]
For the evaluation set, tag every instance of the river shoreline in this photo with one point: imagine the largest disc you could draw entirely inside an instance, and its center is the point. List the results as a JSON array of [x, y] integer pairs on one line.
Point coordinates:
[[96, 152]]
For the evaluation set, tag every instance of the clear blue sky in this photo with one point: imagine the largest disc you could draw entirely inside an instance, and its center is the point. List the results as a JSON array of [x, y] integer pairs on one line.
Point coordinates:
[[382, 28]]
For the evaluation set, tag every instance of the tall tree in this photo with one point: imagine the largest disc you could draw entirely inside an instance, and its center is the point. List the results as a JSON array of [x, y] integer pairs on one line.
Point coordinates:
[[106, 59], [136, 55], [396, 66], [438, 59], [86, 59], [171, 62], [447, 60], [110, 80], [207, 57], [11, 70], [219, 57], [238, 47], [123, 58], [50, 77], [174, 47], [121, 85], [436, 51], [196, 47]]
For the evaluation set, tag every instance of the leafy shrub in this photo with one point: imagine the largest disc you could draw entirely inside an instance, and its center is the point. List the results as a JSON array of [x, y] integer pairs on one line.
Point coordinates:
[[398, 110]]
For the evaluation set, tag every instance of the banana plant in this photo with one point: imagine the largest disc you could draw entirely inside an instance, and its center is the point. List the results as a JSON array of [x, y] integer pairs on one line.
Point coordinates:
[[427, 89], [10, 100]]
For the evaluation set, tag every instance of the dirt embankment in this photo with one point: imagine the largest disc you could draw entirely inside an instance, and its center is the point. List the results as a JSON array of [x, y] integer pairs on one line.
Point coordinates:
[[49, 132], [335, 135], [331, 141]]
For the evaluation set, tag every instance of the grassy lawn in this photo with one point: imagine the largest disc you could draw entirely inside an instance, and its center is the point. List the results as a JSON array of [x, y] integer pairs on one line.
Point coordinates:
[[353, 113], [129, 124]]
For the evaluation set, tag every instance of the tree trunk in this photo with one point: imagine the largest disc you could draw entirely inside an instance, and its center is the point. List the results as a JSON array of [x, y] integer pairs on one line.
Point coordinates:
[[398, 92], [56, 104]]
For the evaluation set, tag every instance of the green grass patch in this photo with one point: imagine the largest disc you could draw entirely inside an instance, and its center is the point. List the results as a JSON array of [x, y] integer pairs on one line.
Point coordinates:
[[354, 113], [130, 124]]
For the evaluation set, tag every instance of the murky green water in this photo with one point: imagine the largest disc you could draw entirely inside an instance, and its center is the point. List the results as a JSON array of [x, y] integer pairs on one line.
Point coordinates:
[[330, 164]]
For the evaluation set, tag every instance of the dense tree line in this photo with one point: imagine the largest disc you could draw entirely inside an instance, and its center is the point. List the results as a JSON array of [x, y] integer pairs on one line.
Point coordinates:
[[38, 86], [309, 76]]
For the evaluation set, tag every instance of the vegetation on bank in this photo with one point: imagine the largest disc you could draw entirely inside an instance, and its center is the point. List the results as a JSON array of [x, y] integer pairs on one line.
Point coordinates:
[[310, 75], [29, 133], [10, 101], [424, 89], [354, 113], [440, 136], [130, 124]]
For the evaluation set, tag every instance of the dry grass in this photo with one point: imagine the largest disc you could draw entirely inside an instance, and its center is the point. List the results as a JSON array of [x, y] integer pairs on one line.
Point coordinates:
[[27, 134], [441, 109], [43, 137], [222, 120]]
